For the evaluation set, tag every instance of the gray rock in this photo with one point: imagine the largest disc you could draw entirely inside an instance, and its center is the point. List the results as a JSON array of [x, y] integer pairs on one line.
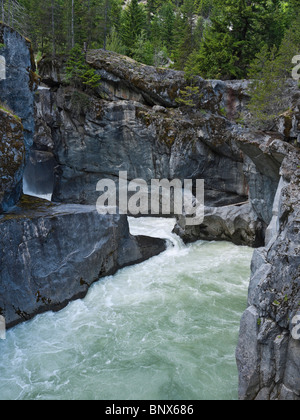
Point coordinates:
[[230, 223], [16, 93], [113, 136], [12, 158], [17, 90], [274, 294], [51, 254], [248, 356]]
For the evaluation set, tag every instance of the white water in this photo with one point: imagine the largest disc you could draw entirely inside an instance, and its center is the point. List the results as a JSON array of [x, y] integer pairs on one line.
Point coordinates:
[[163, 329]]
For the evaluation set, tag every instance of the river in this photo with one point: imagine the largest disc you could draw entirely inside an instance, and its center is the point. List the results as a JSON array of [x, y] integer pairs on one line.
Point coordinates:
[[165, 329]]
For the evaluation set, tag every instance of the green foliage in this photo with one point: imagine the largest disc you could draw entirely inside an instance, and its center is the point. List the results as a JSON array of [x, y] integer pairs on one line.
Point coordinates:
[[114, 42], [188, 96], [210, 38], [270, 71], [144, 50], [78, 72], [4, 107], [238, 31], [265, 90], [133, 23]]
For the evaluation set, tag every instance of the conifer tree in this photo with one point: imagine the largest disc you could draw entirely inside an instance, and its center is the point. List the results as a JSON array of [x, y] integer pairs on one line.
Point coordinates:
[[78, 72], [239, 29], [133, 22]]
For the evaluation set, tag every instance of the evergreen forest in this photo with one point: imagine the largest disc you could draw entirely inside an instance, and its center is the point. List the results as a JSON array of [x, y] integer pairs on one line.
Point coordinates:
[[215, 39]]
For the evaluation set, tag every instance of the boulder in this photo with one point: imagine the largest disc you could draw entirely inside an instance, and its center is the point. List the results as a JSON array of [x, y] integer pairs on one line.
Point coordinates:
[[236, 224]]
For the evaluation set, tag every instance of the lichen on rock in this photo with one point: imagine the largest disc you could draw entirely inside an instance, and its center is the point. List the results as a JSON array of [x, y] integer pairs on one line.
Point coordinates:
[[12, 157]]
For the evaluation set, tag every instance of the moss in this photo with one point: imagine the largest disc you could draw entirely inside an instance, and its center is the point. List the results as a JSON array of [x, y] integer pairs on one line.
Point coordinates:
[[7, 109], [34, 80], [173, 91], [28, 207], [144, 116], [12, 148], [288, 123]]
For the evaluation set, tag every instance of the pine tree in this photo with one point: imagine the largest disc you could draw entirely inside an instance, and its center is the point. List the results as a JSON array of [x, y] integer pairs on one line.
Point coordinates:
[[239, 29], [144, 51], [114, 42], [78, 72], [167, 19], [184, 37], [270, 71], [133, 22]]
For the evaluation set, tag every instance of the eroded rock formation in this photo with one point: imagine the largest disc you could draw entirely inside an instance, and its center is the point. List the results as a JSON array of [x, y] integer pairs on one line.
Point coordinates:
[[49, 254], [17, 114], [139, 128], [268, 353], [133, 123], [12, 158]]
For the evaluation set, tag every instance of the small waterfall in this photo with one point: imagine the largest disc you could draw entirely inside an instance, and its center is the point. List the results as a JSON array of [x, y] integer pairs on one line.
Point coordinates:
[[38, 175]]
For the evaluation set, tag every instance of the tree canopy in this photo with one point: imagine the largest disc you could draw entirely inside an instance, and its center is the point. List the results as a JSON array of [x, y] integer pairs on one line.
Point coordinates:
[[210, 38]]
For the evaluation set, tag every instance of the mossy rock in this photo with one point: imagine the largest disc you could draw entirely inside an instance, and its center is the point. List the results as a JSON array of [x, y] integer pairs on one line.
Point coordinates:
[[12, 154]]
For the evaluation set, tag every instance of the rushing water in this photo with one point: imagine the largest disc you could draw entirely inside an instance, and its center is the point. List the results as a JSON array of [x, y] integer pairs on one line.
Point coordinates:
[[163, 329]]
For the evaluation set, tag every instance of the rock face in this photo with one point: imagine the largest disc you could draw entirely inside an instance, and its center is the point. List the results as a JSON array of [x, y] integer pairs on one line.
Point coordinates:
[[16, 90], [16, 95], [134, 124], [235, 223], [139, 128], [268, 353], [263, 154], [12, 157], [51, 254]]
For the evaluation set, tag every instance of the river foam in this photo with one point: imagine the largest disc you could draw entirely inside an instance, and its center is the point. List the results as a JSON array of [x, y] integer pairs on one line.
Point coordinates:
[[163, 329]]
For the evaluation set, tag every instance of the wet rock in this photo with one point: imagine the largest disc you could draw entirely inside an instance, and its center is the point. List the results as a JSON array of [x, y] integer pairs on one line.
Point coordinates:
[[274, 295], [51, 254], [17, 113], [235, 224], [12, 157]]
